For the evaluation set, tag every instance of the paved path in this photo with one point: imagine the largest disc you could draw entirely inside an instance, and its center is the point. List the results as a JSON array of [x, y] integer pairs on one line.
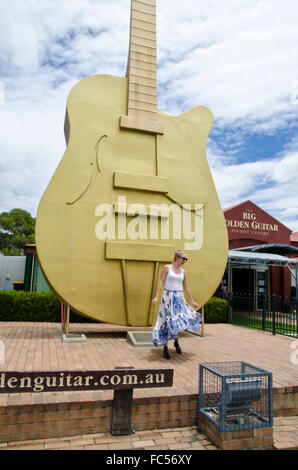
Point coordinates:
[[36, 346], [160, 439], [285, 434]]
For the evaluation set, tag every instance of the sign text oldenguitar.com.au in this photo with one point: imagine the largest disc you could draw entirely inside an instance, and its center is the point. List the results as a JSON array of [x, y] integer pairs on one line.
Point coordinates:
[[20, 382]]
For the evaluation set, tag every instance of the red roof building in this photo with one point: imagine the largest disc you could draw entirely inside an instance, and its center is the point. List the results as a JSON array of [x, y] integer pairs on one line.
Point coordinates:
[[294, 238], [268, 245]]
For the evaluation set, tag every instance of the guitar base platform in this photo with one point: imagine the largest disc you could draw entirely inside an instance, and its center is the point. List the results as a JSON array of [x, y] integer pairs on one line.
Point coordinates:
[[140, 338], [73, 338]]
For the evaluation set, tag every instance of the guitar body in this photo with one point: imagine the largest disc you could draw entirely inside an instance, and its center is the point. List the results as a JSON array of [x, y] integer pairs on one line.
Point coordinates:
[[104, 272]]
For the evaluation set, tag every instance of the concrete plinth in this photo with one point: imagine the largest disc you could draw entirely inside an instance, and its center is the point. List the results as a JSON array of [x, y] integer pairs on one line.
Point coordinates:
[[73, 338], [140, 338]]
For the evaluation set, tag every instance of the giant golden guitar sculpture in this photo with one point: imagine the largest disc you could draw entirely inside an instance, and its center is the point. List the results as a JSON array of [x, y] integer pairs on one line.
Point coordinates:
[[103, 230]]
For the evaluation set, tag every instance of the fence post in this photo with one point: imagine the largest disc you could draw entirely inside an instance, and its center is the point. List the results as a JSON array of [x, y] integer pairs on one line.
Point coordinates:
[[229, 306], [264, 315], [273, 313], [229, 290], [286, 323], [296, 314], [121, 414]]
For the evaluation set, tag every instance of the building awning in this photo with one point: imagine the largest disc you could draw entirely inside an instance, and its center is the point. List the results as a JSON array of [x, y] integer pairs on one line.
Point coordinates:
[[277, 248], [253, 258]]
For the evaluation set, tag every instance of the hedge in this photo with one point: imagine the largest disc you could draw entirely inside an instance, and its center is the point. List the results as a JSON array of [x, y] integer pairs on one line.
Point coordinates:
[[33, 307], [45, 307], [216, 311]]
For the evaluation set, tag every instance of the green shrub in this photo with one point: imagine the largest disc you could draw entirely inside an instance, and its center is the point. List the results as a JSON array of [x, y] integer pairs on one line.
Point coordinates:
[[216, 311], [33, 307], [45, 307]]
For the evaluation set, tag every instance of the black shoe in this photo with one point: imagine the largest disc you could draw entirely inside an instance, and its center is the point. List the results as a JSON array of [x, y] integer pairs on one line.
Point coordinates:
[[177, 346], [166, 353]]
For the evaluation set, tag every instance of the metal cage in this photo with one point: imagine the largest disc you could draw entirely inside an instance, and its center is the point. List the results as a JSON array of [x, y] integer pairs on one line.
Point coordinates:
[[235, 395]]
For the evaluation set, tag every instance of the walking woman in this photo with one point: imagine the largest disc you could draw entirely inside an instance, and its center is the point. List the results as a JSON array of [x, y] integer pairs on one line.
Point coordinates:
[[175, 315]]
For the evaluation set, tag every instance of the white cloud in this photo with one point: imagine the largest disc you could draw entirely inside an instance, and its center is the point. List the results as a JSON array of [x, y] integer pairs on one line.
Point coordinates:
[[271, 184], [238, 57]]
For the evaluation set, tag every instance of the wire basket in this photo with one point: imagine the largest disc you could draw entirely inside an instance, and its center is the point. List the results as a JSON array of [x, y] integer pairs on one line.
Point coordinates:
[[235, 395]]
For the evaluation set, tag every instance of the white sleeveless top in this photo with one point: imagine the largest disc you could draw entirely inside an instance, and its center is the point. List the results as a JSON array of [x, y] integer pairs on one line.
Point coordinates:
[[173, 280]]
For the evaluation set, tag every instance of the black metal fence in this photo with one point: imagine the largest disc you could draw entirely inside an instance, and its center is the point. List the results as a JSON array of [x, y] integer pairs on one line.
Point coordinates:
[[274, 314]]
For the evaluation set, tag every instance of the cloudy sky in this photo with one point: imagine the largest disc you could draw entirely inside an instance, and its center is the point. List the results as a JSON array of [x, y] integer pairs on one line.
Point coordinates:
[[237, 57]]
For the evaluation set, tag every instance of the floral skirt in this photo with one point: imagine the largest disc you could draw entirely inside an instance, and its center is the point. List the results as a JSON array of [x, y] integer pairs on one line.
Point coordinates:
[[175, 315]]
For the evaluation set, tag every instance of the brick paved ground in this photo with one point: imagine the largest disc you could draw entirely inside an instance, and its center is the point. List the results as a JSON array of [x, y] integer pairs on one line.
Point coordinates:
[[34, 346], [160, 439], [285, 433]]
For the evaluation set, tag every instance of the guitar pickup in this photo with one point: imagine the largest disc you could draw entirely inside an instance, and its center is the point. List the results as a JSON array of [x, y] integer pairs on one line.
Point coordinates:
[[141, 182], [131, 210], [139, 251]]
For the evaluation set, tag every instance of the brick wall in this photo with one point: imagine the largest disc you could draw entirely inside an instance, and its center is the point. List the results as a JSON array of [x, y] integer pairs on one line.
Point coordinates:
[[42, 416], [285, 401], [164, 412], [259, 438]]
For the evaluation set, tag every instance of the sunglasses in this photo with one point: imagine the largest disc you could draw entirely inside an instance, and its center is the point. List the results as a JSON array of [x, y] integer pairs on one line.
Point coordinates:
[[182, 257]]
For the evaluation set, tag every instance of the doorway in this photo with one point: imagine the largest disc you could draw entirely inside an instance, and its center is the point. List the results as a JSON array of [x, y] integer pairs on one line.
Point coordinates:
[[243, 288], [243, 281]]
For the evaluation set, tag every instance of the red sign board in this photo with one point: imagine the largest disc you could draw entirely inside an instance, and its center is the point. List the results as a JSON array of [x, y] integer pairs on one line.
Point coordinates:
[[249, 222]]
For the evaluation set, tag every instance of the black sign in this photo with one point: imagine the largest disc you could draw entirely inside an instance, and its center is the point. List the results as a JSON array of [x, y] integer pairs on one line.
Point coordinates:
[[61, 381]]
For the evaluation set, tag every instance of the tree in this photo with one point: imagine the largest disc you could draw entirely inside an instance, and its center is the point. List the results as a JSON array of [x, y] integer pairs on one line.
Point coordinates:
[[17, 228]]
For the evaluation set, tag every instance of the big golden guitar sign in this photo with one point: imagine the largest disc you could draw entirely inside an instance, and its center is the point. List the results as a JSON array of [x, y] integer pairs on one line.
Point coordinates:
[[133, 186], [250, 222], [250, 225]]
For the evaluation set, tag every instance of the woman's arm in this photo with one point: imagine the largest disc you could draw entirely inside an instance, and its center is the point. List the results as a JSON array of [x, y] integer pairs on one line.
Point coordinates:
[[161, 284], [187, 291]]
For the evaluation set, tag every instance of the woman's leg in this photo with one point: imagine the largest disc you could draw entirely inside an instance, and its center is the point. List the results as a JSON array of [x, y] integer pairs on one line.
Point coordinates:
[[177, 346], [166, 353]]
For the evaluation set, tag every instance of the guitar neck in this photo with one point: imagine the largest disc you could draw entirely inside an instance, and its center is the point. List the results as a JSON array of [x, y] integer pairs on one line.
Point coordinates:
[[141, 69]]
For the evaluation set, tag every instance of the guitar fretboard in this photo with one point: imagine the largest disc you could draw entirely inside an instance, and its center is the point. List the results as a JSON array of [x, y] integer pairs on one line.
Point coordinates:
[[141, 69]]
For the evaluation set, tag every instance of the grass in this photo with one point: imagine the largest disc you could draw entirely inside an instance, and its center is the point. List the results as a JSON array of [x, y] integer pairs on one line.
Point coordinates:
[[255, 322]]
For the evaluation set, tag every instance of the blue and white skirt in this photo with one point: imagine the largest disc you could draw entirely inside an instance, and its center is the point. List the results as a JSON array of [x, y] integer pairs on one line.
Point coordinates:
[[175, 315]]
